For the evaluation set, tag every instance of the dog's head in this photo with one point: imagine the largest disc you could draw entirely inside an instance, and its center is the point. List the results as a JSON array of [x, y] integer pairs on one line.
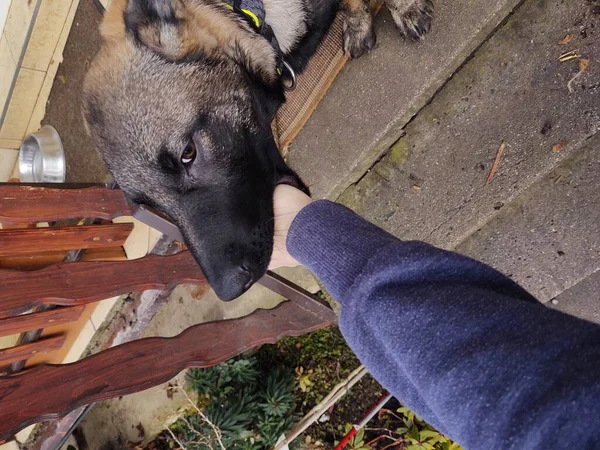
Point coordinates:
[[179, 102]]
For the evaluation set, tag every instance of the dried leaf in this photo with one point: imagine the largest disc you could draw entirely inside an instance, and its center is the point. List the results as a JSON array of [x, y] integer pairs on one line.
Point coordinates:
[[568, 38], [569, 56], [560, 146], [583, 64], [496, 163]]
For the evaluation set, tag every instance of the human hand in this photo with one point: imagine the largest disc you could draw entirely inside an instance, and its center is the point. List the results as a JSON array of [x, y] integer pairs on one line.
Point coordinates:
[[287, 203]]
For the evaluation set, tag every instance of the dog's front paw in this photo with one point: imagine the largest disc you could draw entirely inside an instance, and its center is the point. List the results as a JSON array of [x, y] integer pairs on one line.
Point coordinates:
[[359, 37], [412, 17]]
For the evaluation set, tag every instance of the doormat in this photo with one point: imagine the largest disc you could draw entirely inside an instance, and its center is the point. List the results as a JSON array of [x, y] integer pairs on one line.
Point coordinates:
[[311, 86], [313, 83]]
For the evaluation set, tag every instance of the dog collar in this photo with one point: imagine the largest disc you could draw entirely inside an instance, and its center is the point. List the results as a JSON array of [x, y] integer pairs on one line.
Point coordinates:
[[253, 12]]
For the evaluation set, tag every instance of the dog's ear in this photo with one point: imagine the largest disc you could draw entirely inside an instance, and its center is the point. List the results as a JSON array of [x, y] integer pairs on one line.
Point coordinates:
[[184, 30], [267, 99], [159, 25]]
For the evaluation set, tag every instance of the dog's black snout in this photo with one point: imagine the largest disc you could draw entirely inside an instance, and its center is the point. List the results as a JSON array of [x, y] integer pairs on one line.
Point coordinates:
[[249, 276], [236, 280]]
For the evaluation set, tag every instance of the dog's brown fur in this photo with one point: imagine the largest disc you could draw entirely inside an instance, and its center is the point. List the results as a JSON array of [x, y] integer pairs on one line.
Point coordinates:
[[174, 76], [204, 28]]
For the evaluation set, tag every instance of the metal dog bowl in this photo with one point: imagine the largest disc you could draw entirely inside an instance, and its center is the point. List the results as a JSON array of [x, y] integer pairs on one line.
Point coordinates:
[[41, 158]]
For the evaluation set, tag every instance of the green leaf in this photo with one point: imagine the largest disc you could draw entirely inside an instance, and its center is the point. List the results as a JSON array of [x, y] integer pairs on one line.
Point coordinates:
[[414, 433], [360, 434], [425, 434], [401, 430], [403, 410]]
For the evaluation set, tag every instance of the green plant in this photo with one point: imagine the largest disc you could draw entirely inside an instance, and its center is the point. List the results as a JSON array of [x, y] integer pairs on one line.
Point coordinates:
[[320, 360], [358, 440], [303, 378], [416, 434], [244, 407]]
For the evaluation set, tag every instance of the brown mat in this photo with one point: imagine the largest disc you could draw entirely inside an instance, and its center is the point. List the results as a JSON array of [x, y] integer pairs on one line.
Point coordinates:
[[312, 85]]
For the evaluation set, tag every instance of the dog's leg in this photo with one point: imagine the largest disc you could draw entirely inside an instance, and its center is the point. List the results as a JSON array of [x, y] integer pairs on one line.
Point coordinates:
[[413, 17], [359, 36]]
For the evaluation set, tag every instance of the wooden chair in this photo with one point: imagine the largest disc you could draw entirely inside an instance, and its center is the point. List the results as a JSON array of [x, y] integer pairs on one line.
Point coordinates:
[[32, 300]]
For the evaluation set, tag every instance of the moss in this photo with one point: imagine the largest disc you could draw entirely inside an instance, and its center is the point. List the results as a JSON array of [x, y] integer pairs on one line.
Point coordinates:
[[399, 152]]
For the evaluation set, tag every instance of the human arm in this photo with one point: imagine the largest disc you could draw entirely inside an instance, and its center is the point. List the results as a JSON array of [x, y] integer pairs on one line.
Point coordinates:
[[454, 340]]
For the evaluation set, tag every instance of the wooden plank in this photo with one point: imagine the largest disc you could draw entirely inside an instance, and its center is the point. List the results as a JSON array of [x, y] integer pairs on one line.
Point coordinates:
[[79, 283], [20, 352], [25, 241], [31, 262], [33, 321], [139, 365], [41, 260], [26, 203], [105, 254], [134, 318]]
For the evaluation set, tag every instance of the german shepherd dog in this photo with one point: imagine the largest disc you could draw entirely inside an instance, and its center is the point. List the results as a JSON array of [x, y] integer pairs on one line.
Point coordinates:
[[179, 102]]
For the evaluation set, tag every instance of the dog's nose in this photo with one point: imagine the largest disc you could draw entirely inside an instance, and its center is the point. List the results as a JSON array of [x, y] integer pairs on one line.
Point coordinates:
[[237, 281], [248, 274]]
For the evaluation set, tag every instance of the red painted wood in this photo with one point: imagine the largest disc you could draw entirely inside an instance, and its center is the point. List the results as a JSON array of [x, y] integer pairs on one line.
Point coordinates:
[[25, 203], [52, 391], [34, 321], [41, 260], [79, 283], [25, 351], [25, 241]]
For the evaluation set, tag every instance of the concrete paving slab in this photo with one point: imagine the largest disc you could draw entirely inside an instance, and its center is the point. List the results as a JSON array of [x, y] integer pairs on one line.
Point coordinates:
[[432, 184], [375, 96], [582, 300], [548, 238]]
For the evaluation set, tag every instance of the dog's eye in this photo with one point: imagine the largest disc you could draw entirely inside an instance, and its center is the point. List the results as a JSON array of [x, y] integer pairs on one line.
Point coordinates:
[[189, 153]]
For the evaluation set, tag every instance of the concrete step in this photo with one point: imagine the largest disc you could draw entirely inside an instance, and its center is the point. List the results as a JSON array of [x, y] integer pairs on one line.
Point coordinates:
[[375, 96], [582, 300], [548, 238], [432, 184]]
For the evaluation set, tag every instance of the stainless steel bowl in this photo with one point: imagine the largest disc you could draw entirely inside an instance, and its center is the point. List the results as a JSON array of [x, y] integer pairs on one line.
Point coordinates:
[[41, 158]]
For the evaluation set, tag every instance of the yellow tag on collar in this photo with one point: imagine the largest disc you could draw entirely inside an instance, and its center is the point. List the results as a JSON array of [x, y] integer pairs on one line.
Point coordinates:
[[249, 13]]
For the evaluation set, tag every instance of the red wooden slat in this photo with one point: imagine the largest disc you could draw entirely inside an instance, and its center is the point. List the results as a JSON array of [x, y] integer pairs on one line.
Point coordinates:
[[79, 283], [24, 241], [23, 204], [34, 321], [20, 352], [41, 260], [54, 390]]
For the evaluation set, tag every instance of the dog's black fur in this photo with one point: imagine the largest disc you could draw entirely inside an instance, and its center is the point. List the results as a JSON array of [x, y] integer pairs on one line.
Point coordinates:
[[179, 102]]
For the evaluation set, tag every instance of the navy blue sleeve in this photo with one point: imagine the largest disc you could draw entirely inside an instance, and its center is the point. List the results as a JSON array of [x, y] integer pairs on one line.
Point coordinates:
[[454, 340]]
